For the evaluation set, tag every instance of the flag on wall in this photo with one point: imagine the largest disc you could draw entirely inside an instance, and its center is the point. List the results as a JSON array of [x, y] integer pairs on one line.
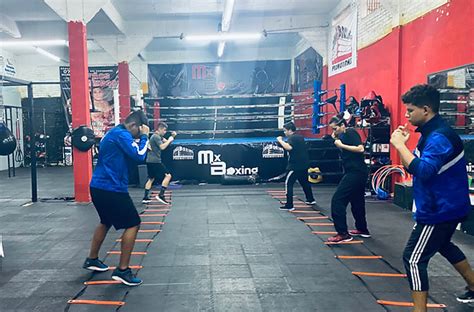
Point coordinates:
[[343, 41]]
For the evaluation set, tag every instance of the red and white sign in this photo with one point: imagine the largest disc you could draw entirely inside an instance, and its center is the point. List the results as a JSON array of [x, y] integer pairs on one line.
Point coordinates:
[[343, 41]]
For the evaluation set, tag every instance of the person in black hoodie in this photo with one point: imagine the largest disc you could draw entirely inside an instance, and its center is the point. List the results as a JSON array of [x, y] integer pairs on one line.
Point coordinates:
[[298, 164]]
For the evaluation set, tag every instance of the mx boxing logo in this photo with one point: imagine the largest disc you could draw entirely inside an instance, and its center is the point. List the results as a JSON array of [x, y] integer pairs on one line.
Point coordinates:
[[183, 153], [219, 167], [273, 151]]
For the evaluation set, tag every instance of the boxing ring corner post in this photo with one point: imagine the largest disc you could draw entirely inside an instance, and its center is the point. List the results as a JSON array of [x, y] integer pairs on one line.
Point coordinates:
[[342, 101], [316, 106]]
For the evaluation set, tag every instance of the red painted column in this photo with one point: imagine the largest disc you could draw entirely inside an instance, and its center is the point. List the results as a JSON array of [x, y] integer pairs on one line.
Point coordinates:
[[82, 161], [124, 90], [397, 111]]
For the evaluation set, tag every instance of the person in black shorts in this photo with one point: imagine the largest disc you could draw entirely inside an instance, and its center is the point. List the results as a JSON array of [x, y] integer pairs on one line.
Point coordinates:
[[351, 188], [156, 169], [298, 164], [124, 143]]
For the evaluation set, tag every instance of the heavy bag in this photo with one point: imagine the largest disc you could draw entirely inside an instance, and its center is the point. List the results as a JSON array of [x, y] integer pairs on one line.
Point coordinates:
[[83, 138], [238, 180], [7, 140]]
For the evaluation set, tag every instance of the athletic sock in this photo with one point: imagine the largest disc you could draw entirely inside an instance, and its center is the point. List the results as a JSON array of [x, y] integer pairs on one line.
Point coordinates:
[[162, 190]]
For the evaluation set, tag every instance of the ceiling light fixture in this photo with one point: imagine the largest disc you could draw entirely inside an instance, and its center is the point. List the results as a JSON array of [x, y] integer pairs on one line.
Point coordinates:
[[220, 49], [47, 54], [36, 43], [224, 36], [227, 15], [225, 24]]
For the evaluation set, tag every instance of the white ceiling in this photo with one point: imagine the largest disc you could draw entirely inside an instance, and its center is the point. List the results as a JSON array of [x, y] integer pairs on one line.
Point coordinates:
[[165, 20], [150, 9]]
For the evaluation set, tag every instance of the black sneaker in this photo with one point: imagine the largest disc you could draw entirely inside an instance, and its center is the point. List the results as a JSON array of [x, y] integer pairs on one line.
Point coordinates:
[[287, 208], [126, 277], [95, 265], [310, 202], [161, 198], [146, 200], [467, 297]]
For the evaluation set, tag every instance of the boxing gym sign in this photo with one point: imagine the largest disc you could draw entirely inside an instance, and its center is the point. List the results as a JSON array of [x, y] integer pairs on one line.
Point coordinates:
[[273, 151], [183, 153], [219, 167]]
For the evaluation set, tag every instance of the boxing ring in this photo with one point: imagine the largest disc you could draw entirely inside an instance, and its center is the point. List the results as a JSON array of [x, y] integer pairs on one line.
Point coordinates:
[[232, 136]]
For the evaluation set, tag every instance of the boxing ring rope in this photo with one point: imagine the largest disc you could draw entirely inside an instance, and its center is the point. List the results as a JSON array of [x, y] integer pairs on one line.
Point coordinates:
[[211, 112], [287, 109]]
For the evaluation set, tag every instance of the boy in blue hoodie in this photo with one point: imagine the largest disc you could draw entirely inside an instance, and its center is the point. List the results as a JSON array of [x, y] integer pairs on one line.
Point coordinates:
[[124, 143], [440, 191]]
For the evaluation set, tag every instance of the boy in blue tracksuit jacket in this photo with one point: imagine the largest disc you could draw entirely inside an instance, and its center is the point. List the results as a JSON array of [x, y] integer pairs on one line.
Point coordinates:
[[109, 192], [441, 193]]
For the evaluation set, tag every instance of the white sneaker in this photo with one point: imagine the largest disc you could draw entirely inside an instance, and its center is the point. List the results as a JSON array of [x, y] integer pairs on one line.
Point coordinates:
[[162, 199]]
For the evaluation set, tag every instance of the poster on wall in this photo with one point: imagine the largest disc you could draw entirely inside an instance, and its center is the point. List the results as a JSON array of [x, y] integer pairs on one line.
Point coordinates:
[[308, 68], [343, 41], [103, 80], [227, 78], [7, 66]]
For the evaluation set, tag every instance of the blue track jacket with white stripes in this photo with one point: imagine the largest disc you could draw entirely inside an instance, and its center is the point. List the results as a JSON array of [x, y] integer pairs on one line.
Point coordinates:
[[116, 149], [440, 186]]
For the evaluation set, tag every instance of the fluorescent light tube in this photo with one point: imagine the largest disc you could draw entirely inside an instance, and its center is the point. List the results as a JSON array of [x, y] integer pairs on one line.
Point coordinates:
[[224, 36], [36, 43], [47, 54]]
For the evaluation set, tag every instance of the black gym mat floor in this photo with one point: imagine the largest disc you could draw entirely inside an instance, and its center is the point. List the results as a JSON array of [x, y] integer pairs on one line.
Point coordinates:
[[222, 248]]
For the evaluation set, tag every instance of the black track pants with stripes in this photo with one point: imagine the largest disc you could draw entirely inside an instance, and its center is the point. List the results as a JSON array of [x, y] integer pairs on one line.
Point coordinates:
[[425, 241]]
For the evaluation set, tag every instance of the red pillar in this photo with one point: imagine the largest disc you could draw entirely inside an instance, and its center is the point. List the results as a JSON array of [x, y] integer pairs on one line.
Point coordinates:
[[397, 113], [124, 90], [82, 161]]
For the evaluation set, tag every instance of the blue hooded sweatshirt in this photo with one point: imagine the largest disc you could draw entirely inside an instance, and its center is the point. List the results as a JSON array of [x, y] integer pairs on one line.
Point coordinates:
[[117, 148]]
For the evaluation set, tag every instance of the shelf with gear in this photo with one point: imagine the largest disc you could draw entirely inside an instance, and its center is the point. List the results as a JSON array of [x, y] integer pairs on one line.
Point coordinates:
[[325, 158], [371, 119], [375, 119]]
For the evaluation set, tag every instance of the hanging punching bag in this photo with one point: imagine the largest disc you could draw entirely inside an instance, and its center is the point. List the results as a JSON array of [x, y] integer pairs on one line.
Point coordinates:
[[7, 140]]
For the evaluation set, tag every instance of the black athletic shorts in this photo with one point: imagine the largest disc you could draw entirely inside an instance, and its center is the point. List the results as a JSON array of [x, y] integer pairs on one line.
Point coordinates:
[[157, 170], [115, 209]]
